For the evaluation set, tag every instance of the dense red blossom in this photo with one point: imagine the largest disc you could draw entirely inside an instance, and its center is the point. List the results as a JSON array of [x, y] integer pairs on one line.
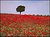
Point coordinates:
[[27, 25]]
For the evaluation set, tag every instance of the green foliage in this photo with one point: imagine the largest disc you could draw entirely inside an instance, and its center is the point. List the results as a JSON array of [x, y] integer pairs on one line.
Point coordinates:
[[20, 9], [9, 28]]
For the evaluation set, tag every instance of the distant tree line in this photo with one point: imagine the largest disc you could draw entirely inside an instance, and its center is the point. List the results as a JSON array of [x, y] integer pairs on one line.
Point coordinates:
[[40, 15]]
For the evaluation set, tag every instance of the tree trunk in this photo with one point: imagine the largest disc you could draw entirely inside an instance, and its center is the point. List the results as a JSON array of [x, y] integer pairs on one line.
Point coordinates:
[[20, 13]]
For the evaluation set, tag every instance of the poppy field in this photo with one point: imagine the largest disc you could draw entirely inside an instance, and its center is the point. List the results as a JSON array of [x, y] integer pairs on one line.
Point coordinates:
[[24, 25]]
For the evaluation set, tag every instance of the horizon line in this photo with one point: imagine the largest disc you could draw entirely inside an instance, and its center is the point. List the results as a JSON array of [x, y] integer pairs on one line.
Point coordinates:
[[24, 14]]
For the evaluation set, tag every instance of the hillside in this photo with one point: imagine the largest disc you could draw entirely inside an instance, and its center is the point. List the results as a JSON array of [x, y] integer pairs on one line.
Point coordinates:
[[24, 25]]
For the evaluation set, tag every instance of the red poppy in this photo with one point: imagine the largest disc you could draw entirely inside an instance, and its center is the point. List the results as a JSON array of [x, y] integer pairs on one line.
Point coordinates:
[[25, 23]]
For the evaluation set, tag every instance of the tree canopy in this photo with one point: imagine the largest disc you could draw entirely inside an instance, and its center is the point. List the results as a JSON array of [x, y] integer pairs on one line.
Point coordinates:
[[20, 8]]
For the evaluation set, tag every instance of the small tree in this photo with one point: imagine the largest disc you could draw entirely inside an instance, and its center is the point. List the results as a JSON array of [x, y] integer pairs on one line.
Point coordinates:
[[20, 9]]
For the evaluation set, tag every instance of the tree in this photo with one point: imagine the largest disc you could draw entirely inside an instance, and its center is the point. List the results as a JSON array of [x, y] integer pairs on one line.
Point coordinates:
[[20, 8]]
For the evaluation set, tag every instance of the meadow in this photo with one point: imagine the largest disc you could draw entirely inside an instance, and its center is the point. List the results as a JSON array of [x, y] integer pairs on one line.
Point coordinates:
[[24, 25]]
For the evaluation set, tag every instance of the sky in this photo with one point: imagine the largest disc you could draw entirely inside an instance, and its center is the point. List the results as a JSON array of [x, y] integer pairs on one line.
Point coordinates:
[[31, 7], [24, 0]]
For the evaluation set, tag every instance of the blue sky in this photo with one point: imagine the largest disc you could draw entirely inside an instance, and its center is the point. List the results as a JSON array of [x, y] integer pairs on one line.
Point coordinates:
[[24, 0], [31, 7]]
